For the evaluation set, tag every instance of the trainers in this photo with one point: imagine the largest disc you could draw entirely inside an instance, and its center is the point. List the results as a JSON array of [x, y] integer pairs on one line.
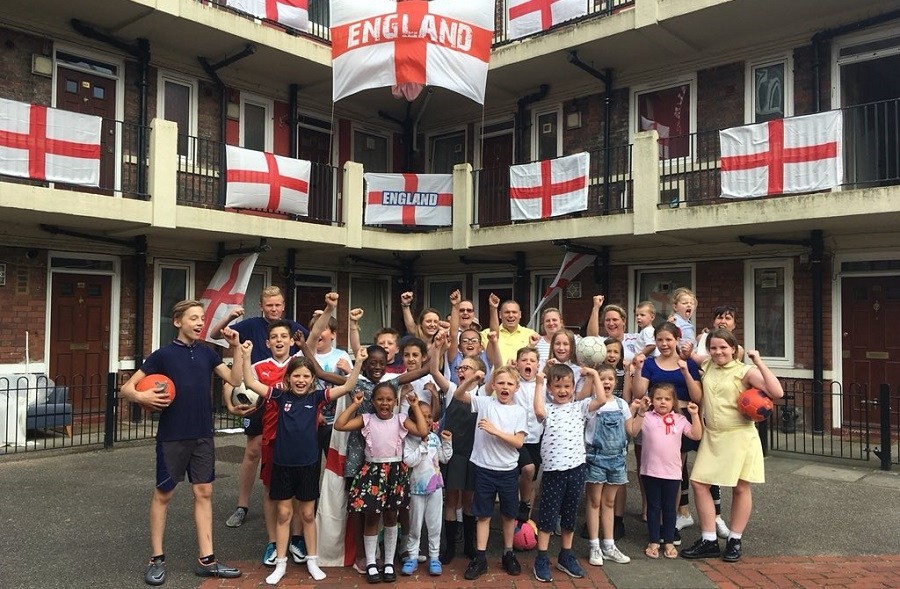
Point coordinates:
[[237, 518], [615, 555], [409, 566], [156, 572], [702, 549], [542, 569], [596, 557], [732, 550], [618, 529], [434, 567], [269, 555], [217, 569], [684, 521], [511, 564], [568, 564], [298, 550], [722, 530], [477, 567]]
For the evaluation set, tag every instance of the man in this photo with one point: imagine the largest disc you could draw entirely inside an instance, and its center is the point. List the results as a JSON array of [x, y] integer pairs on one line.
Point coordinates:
[[510, 335]]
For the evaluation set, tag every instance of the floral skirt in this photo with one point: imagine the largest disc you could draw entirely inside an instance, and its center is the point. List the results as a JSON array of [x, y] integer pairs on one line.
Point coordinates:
[[379, 487]]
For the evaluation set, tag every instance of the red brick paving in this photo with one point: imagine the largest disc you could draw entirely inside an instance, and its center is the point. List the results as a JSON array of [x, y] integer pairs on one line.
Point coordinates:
[[794, 572]]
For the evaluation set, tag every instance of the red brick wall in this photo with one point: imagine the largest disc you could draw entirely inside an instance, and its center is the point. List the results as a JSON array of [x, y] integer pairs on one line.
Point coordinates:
[[720, 97], [23, 300], [804, 79], [720, 283], [19, 83]]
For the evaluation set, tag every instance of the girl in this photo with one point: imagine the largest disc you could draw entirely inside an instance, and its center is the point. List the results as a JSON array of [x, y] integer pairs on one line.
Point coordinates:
[[614, 351], [661, 430], [381, 486], [562, 351], [295, 466], [730, 453]]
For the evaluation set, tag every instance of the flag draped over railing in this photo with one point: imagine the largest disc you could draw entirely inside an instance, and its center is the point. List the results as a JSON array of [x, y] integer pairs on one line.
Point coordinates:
[[262, 180], [290, 13], [409, 199], [526, 17], [549, 188]]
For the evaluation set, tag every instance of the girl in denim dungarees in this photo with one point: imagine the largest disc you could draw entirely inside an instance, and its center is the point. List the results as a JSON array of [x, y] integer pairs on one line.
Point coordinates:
[[606, 444]]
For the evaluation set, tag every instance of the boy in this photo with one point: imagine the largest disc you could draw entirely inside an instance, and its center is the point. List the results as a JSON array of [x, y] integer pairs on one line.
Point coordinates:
[[386, 337], [644, 315], [184, 437], [530, 452], [684, 303], [331, 359], [495, 459]]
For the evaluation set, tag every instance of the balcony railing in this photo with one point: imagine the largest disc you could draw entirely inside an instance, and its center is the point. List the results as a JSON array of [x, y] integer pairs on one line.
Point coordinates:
[[200, 182], [319, 19], [595, 8]]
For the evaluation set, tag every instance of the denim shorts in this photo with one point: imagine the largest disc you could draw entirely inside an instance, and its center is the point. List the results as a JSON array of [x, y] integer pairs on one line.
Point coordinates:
[[609, 470]]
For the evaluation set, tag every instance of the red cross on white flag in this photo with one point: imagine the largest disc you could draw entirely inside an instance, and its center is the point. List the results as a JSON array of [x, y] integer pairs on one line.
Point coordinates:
[[409, 199], [226, 290], [549, 188], [799, 154], [527, 17], [572, 265], [49, 143], [379, 43], [261, 180], [290, 13]]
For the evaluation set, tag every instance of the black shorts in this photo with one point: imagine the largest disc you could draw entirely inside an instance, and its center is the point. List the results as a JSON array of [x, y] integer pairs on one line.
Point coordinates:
[[294, 482], [197, 458], [253, 423], [530, 454]]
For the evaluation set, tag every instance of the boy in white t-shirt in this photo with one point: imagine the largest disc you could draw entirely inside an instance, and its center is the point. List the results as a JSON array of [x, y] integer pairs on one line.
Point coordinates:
[[331, 359]]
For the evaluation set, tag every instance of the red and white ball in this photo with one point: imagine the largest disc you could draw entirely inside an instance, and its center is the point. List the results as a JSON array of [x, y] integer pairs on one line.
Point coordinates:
[[755, 405]]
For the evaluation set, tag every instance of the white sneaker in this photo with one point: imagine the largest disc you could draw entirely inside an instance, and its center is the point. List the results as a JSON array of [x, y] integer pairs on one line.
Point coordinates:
[[615, 555], [596, 558], [722, 530], [684, 521]]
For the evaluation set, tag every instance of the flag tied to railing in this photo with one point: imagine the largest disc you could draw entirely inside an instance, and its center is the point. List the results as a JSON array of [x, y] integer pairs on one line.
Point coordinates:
[[409, 199], [527, 17], [572, 265], [290, 13], [49, 144], [226, 290], [380, 43], [549, 188], [799, 154], [262, 180]]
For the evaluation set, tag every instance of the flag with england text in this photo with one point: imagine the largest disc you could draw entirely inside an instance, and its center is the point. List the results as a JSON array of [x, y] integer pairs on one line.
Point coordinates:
[[290, 13], [572, 265], [799, 154], [262, 180], [380, 43], [409, 199], [49, 143], [526, 17], [549, 188], [226, 290]]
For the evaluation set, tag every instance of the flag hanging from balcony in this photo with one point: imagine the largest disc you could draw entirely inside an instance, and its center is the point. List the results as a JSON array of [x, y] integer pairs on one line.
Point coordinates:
[[799, 154], [549, 188], [49, 144], [226, 290], [380, 43], [572, 265], [526, 17], [290, 13], [262, 180], [409, 199]]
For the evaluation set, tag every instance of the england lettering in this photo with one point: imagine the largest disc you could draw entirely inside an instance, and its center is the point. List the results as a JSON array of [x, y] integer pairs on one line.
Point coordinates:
[[416, 199]]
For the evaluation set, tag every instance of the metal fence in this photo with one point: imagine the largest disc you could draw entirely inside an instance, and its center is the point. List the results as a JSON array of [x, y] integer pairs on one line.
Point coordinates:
[[595, 8]]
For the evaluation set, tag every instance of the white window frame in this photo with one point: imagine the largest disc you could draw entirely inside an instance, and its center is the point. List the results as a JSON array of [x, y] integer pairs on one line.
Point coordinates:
[[158, 266], [885, 32], [383, 133], [480, 136], [193, 109], [535, 131], [387, 310], [443, 279], [634, 274], [430, 137], [269, 106], [787, 59], [689, 79], [750, 267], [251, 305], [537, 293]]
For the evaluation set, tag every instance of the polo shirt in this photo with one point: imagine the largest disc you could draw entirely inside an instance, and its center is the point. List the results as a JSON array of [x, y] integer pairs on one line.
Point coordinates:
[[296, 443], [509, 342]]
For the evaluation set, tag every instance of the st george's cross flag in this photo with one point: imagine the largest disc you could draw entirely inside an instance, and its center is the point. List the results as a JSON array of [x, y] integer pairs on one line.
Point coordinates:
[[549, 188], [226, 290], [378, 43], [290, 13], [262, 180], [336, 539], [49, 143], [527, 17], [572, 265], [799, 154], [409, 199]]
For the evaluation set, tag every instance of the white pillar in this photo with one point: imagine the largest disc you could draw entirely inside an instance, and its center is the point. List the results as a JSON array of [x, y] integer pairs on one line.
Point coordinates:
[[645, 181], [463, 205], [162, 180], [353, 203]]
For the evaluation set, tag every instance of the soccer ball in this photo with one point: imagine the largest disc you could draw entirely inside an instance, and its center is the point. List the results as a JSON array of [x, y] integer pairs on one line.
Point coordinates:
[[151, 381], [241, 395], [525, 536], [755, 405], [591, 350]]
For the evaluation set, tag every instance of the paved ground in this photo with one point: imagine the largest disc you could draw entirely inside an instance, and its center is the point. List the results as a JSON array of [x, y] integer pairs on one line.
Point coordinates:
[[72, 520]]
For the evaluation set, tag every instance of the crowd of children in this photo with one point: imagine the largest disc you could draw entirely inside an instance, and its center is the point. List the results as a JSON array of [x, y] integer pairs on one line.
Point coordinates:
[[451, 422]]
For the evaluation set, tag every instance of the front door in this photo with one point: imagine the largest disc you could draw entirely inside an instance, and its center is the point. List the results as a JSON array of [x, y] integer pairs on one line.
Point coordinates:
[[871, 344], [79, 337], [493, 180]]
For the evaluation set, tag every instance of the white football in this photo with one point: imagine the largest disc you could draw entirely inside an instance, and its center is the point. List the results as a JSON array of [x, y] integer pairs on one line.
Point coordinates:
[[241, 395], [591, 350]]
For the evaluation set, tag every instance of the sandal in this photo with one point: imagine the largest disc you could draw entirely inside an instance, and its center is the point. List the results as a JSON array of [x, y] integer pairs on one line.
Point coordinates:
[[670, 551], [652, 550], [372, 574]]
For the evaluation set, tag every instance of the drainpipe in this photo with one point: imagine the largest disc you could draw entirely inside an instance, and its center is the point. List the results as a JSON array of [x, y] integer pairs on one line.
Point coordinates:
[[816, 258], [606, 77], [522, 124]]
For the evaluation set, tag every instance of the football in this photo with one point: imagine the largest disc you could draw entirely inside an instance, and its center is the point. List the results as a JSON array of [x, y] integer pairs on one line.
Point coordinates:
[[755, 405], [151, 381], [240, 395], [591, 350], [525, 536]]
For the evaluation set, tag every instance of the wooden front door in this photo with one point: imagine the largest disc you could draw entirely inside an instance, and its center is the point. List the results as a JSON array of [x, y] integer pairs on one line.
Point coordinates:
[[314, 146], [86, 93], [308, 300], [79, 337], [493, 180], [870, 344], [484, 306]]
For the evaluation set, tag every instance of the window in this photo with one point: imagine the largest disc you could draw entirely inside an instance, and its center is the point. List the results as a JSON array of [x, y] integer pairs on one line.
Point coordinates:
[[370, 294], [371, 151], [177, 100], [541, 283], [768, 306], [671, 111], [657, 285], [769, 93], [256, 123], [259, 279], [546, 140], [447, 151], [437, 293], [173, 282]]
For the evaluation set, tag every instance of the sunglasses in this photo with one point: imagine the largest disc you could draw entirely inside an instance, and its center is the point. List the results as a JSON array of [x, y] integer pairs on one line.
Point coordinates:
[[467, 310]]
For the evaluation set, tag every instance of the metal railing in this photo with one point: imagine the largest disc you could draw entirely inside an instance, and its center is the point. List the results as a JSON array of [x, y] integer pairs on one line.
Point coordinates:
[[595, 8], [319, 19]]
